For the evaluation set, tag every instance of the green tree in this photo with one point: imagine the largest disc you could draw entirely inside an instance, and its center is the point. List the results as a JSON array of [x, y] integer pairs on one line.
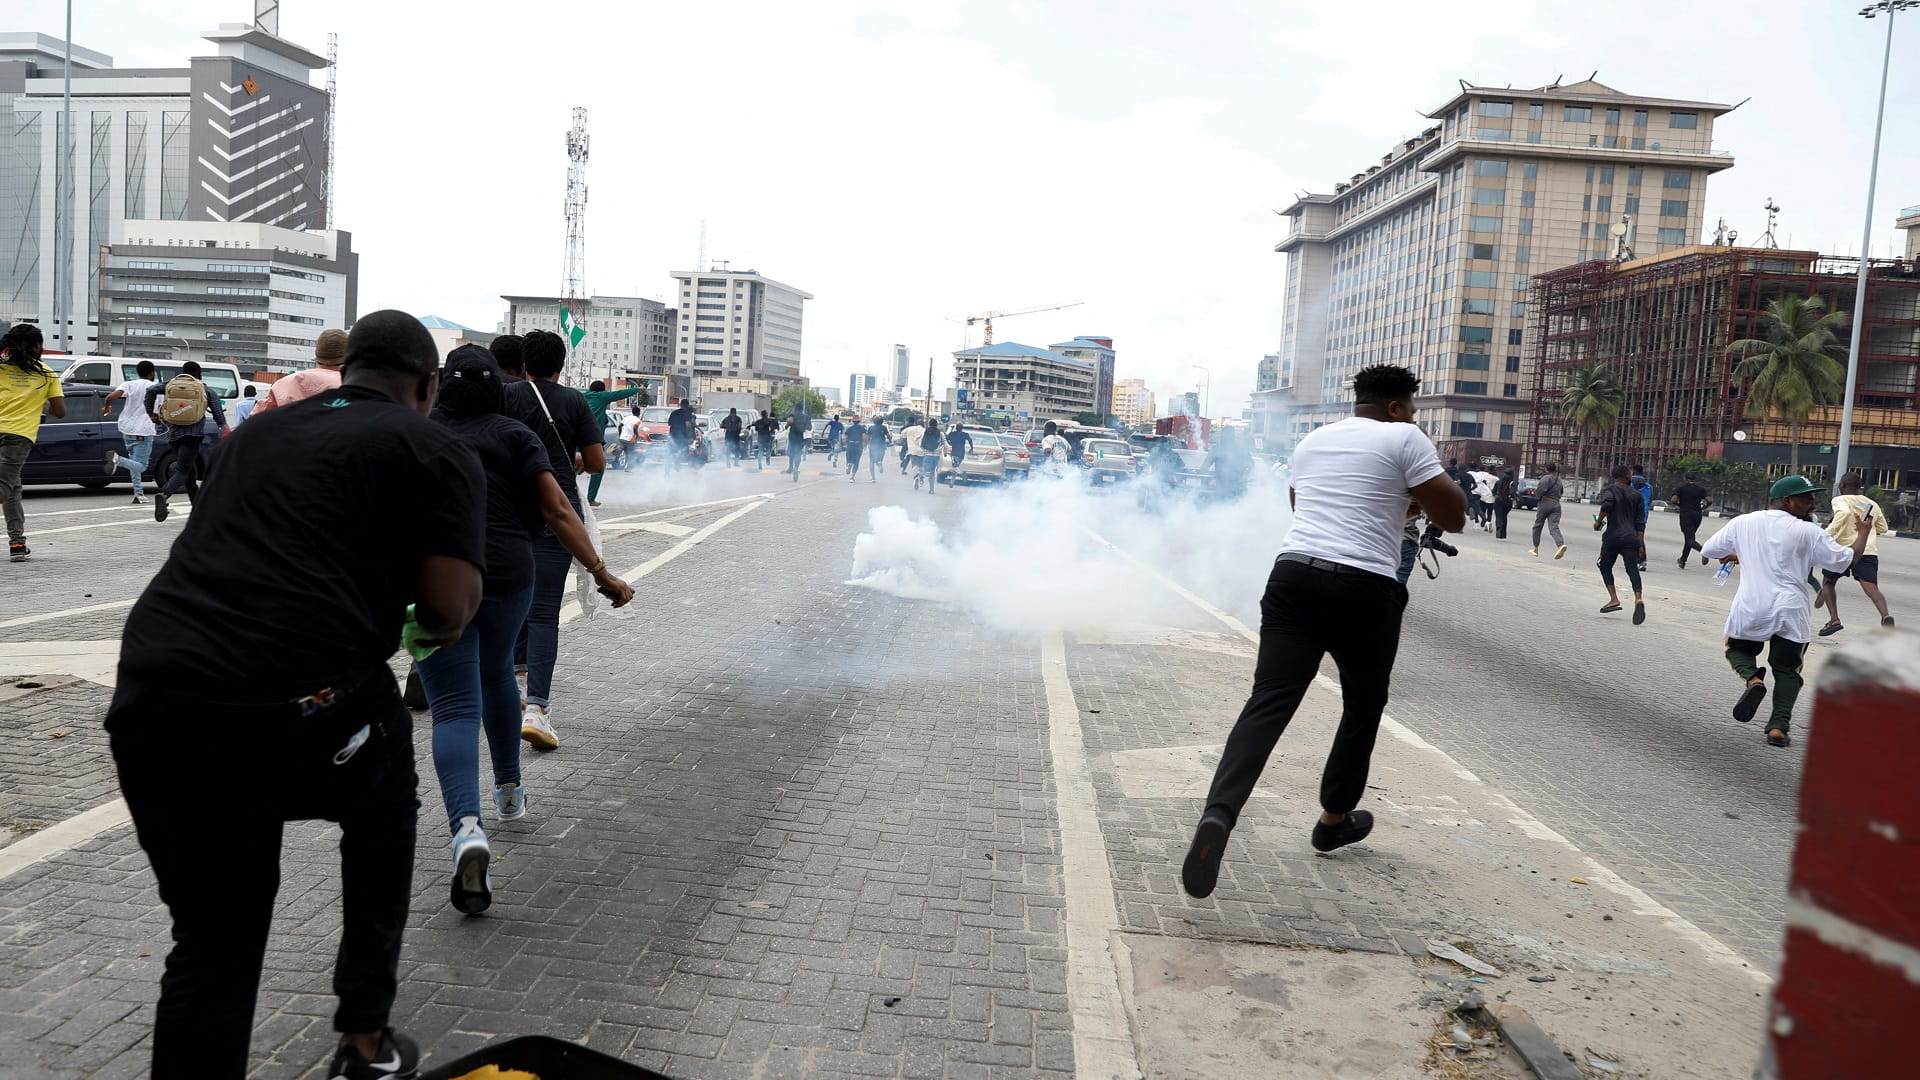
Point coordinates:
[[1799, 366], [1591, 403], [904, 415], [1093, 419], [799, 399]]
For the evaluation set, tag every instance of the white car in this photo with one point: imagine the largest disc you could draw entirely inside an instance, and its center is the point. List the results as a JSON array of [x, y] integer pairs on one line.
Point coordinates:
[[985, 462], [1107, 459]]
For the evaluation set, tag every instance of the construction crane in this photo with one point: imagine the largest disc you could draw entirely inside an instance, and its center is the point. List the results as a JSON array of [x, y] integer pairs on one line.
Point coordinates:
[[986, 336]]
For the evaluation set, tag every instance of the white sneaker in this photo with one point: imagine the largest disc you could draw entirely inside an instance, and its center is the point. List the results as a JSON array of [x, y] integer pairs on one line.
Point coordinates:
[[510, 800], [472, 885], [1535, 552], [537, 730]]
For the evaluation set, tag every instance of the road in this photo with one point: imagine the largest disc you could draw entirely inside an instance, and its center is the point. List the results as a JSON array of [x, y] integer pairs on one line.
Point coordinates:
[[799, 826]]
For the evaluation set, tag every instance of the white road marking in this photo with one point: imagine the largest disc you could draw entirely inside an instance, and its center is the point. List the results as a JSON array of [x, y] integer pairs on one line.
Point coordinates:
[[1712, 947], [95, 661], [1102, 1040], [688, 506], [45, 616], [121, 509], [171, 516], [571, 610], [55, 839]]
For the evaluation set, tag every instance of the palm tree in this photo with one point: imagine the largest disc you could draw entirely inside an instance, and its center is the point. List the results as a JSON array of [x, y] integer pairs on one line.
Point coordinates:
[[1591, 403], [1799, 366]]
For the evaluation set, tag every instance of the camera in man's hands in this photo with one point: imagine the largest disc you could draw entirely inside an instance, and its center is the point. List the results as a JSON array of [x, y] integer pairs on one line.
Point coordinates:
[[1431, 539]]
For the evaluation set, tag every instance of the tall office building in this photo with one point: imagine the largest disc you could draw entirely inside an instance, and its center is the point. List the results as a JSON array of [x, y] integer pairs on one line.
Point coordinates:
[[256, 295], [1133, 403], [902, 363], [1423, 259], [1267, 376], [239, 136], [739, 323], [859, 384], [1097, 351], [625, 334], [1008, 383]]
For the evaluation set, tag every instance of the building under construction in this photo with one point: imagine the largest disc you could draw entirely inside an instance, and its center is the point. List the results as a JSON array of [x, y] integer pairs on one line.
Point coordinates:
[[1663, 324]]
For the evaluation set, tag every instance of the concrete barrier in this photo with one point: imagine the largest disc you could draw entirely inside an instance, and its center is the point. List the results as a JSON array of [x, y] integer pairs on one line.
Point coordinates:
[[1850, 983]]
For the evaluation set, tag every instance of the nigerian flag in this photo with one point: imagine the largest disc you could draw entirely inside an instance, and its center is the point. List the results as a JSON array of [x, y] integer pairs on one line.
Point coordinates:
[[570, 329]]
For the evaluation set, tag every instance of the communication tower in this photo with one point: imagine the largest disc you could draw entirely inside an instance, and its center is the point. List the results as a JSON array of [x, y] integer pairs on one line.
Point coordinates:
[[574, 291], [333, 108]]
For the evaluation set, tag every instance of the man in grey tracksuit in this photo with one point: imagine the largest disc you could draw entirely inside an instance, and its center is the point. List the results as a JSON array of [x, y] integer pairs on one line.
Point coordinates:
[[1547, 514]]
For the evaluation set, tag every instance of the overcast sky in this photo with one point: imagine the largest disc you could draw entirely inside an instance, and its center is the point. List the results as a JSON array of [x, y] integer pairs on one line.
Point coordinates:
[[912, 162]]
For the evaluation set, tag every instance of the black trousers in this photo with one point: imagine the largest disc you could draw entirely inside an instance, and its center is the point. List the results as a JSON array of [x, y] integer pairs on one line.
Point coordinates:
[[1500, 512], [186, 466], [1628, 551], [1305, 614], [1689, 524], [209, 814]]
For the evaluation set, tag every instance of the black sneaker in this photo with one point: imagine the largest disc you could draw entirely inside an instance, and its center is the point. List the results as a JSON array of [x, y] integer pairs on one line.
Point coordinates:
[[1202, 869], [398, 1059], [416, 694], [17, 551], [1749, 702], [1354, 827], [1782, 739]]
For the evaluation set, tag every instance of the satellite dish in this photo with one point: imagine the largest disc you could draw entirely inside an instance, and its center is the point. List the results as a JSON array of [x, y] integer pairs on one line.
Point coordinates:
[[1619, 228], [1739, 436]]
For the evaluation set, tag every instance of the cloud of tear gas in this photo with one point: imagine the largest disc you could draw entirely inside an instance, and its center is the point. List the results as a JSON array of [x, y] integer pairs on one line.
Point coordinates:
[[1030, 558], [654, 485]]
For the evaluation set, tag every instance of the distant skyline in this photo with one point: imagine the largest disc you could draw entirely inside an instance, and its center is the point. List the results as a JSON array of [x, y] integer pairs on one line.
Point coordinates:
[[914, 162]]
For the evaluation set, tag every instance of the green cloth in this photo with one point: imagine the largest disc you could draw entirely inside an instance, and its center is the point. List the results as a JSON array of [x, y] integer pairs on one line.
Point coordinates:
[[1785, 657], [598, 400], [409, 638]]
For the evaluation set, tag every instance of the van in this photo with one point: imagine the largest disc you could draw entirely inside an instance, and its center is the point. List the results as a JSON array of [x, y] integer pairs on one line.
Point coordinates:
[[110, 371]]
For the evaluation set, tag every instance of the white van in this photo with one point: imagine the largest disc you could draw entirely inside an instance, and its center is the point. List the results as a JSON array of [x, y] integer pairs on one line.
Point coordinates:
[[111, 371]]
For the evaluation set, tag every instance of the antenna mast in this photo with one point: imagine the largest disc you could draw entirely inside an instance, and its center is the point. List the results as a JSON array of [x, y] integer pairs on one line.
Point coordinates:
[[333, 106], [574, 291], [700, 259]]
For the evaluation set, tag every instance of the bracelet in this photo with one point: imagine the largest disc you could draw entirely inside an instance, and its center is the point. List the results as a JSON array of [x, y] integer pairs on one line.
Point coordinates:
[[598, 566]]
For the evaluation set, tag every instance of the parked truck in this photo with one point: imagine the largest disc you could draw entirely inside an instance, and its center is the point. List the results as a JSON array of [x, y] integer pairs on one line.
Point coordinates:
[[1188, 432]]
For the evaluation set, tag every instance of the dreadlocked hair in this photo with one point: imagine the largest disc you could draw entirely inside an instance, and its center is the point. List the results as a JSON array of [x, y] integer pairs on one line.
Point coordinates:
[[21, 346]]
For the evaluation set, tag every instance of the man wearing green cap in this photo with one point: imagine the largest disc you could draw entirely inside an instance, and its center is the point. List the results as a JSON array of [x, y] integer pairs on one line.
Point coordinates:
[[1777, 550]]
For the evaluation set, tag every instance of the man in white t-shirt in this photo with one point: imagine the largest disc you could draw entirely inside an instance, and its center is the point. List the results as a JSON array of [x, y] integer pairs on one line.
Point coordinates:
[[1333, 590], [1055, 447], [1777, 550], [136, 427]]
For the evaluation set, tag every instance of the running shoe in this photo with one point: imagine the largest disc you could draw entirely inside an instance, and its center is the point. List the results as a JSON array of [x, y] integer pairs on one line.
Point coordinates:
[[1562, 553], [1351, 829], [1201, 872], [1535, 552], [398, 1059], [510, 800], [113, 463], [17, 551], [137, 500], [537, 729], [472, 886]]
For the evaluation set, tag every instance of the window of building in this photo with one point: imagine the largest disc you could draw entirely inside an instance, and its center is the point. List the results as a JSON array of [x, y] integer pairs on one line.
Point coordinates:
[[1637, 143], [1519, 283], [1483, 223], [1466, 424], [1603, 203], [1467, 307], [1526, 198], [1510, 390], [229, 290], [1577, 114], [148, 264], [149, 309], [1513, 363], [1496, 134], [1633, 204], [1536, 111], [1481, 334], [1678, 180], [1586, 203], [1466, 387], [140, 286], [1613, 116], [1606, 174], [1519, 310], [1513, 336], [1673, 208], [1683, 120], [1533, 136], [1673, 236], [1482, 251], [1523, 253], [1471, 361], [1489, 168], [1525, 226], [1496, 108], [1481, 279], [1490, 196], [237, 268]]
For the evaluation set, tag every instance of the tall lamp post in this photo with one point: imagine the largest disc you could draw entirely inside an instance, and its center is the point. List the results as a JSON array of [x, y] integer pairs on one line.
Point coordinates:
[[1890, 7], [1206, 388]]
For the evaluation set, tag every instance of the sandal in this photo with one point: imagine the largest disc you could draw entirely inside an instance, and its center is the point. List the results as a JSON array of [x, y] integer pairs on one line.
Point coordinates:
[[1611, 607], [1833, 627], [1749, 702]]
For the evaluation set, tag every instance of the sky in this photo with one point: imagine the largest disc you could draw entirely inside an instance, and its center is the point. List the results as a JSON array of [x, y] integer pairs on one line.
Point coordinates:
[[914, 162]]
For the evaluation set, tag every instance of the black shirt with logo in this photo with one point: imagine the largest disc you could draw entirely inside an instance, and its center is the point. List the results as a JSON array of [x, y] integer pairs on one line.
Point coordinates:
[[304, 550]]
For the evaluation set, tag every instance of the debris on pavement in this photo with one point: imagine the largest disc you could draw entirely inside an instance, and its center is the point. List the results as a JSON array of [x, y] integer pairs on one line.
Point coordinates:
[[1449, 952]]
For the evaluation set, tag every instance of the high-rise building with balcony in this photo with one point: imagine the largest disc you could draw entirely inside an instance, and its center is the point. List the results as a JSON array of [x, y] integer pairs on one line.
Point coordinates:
[[738, 323], [1133, 403], [1423, 258]]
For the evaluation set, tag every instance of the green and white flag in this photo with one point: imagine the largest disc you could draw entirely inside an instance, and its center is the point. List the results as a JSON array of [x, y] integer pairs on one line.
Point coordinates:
[[569, 329]]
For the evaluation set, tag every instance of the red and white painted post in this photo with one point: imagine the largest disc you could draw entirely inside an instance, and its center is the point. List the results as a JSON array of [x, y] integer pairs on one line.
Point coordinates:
[[1850, 985]]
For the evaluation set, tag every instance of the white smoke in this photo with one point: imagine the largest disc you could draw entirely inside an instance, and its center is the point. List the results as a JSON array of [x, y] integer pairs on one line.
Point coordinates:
[[1029, 558]]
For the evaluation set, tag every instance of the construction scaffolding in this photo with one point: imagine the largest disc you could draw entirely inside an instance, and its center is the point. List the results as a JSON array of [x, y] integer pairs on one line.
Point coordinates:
[[1662, 326]]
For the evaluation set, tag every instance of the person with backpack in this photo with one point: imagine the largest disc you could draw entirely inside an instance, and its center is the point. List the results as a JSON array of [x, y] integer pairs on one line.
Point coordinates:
[[185, 414], [796, 445], [469, 684], [910, 446], [1502, 503], [1645, 488], [856, 439], [877, 439], [930, 443], [27, 388]]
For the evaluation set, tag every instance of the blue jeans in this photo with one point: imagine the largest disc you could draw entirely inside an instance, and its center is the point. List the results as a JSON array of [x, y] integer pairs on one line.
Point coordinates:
[[539, 641], [796, 453], [762, 452], [470, 686], [139, 450]]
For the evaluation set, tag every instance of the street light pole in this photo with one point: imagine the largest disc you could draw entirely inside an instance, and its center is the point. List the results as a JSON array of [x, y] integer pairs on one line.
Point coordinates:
[[1866, 238], [1207, 387]]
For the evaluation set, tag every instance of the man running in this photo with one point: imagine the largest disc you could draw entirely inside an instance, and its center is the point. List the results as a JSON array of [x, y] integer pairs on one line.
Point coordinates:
[[1057, 448], [1847, 506], [329, 349], [1644, 488], [856, 443], [1502, 503], [187, 414], [1546, 510], [929, 456], [136, 426], [1332, 590], [27, 387], [1693, 500], [680, 433], [796, 445], [909, 447], [959, 444], [763, 430], [1620, 518], [1777, 549], [877, 439], [371, 512], [731, 426], [835, 431]]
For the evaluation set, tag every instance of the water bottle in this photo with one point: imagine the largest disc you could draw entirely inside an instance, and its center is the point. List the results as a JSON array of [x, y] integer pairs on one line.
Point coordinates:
[[1720, 576]]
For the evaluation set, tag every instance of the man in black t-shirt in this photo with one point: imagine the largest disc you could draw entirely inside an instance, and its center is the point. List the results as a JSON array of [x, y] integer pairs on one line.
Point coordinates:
[[564, 421], [362, 506], [1620, 518], [1693, 500], [733, 425], [680, 433]]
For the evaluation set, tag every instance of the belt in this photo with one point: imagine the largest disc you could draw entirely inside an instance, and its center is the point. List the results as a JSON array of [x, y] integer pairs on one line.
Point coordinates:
[[1329, 566]]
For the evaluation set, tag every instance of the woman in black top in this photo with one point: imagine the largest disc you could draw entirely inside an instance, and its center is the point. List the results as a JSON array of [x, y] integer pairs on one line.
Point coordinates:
[[470, 684]]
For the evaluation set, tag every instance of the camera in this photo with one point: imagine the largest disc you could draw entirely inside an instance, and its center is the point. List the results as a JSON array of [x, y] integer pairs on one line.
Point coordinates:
[[1431, 539]]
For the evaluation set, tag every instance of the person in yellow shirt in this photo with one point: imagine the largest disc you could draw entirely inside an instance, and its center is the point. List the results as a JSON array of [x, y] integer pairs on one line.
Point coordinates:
[[27, 387], [1866, 569]]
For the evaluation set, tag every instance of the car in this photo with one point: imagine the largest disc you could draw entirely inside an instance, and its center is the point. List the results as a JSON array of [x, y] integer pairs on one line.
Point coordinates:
[[817, 436], [658, 454], [1107, 460], [76, 449], [1193, 468], [1015, 455], [985, 462], [111, 371], [1526, 493]]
